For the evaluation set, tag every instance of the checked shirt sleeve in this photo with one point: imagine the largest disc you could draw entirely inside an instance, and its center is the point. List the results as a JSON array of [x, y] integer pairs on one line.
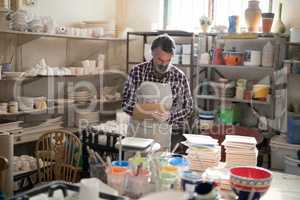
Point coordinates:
[[186, 102], [129, 96]]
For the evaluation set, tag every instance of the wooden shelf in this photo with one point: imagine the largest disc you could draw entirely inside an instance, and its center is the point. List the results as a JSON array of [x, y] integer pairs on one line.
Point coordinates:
[[60, 36], [30, 112], [212, 97], [293, 43], [292, 61], [239, 67]]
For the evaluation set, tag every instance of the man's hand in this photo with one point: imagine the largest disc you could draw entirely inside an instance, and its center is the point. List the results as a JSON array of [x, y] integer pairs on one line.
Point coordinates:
[[161, 116]]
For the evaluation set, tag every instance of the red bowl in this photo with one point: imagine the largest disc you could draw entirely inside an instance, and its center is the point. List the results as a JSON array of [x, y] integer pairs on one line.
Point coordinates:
[[255, 173], [249, 182]]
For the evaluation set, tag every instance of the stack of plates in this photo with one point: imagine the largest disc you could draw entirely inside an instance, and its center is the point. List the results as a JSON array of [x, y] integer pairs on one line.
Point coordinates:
[[82, 96], [109, 27], [4, 24], [203, 152], [20, 20], [240, 151]]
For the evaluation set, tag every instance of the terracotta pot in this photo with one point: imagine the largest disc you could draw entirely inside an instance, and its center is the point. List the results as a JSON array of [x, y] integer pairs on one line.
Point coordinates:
[[253, 16]]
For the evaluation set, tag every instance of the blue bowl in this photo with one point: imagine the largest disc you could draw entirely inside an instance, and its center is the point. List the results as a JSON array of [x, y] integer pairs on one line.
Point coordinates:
[[178, 161]]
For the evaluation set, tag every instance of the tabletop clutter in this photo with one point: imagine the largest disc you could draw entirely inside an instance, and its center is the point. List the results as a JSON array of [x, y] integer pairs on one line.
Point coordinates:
[[199, 174]]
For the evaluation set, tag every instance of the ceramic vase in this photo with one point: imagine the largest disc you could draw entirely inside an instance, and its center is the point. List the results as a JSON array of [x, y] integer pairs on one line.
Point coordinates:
[[279, 25], [253, 16], [205, 28]]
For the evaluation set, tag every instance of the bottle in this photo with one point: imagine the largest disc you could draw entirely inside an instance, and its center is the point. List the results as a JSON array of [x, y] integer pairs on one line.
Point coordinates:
[[267, 55]]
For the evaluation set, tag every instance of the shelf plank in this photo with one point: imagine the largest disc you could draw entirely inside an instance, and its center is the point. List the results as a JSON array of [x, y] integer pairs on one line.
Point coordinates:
[[239, 67], [60, 35], [29, 112], [293, 43], [212, 97]]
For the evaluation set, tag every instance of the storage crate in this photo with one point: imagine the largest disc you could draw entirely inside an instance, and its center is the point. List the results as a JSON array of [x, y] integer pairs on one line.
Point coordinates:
[[292, 165], [281, 148]]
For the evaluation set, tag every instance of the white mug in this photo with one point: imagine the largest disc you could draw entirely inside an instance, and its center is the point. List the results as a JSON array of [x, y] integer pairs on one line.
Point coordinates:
[[252, 58], [89, 189]]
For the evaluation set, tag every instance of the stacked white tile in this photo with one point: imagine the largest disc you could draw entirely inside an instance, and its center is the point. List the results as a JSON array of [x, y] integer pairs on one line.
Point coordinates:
[[204, 152], [240, 151]]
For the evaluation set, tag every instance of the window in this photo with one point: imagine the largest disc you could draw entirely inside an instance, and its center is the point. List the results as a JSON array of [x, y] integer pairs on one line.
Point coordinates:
[[185, 14]]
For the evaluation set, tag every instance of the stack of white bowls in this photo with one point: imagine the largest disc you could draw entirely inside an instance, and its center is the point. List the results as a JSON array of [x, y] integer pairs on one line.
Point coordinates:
[[36, 25], [4, 23], [20, 20], [3, 108]]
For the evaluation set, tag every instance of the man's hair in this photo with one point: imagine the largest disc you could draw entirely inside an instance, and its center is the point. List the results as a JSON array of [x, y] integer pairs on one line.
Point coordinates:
[[165, 42]]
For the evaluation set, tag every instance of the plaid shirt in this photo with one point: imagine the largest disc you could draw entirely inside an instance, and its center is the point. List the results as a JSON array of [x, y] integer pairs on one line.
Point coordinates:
[[182, 104]]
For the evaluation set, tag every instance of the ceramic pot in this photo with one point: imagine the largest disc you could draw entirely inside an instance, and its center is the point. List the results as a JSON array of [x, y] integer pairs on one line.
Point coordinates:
[[253, 16], [205, 28], [217, 58]]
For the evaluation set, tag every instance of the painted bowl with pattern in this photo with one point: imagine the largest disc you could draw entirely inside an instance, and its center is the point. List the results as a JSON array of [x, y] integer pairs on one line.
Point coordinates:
[[250, 182]]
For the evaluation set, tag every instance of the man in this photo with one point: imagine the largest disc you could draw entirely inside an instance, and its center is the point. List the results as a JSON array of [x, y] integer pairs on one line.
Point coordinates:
[[157, 82]]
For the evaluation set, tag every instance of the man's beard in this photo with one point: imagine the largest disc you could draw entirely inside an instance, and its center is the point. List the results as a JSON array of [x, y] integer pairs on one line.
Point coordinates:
[[161, 69]]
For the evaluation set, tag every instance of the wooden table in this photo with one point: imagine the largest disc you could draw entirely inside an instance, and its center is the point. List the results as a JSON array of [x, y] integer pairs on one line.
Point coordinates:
[[284, 187]]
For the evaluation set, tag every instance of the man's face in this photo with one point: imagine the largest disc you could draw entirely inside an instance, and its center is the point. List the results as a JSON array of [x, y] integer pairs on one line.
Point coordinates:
[[161, 60]]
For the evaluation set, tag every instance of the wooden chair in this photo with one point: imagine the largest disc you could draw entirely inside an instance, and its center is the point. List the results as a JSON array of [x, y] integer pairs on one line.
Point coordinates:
[[58, 155], [3, 166]]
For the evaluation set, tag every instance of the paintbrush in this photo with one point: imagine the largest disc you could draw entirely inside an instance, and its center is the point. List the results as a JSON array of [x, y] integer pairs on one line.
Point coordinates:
[[100, 158]]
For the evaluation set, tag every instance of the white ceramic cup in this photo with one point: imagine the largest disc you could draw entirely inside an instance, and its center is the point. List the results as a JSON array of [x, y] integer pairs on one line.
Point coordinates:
[[252, 58], [89, 189]]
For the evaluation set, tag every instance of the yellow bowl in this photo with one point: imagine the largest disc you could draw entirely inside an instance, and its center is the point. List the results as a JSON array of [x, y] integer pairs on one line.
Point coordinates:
[[261, 91]]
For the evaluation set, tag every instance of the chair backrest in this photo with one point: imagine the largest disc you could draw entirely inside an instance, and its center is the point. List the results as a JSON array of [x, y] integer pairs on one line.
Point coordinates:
[[58, 155], [3, 166]]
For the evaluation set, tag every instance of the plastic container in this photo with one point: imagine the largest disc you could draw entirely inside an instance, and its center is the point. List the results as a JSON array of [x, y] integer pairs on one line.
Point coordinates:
[[292, 165], [116, 178], [167, 180], [294, 130], [139, 181], [98, 171], [189, 180], [279, 149]]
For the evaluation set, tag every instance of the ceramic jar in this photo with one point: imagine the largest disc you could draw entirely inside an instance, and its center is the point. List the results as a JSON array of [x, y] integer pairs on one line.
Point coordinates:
[[253, 16]]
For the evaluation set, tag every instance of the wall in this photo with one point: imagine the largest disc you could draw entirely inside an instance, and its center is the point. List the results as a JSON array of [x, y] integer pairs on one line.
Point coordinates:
[[54, 50], [141, 15], [149, 12], [64, 11], [290, 12]]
